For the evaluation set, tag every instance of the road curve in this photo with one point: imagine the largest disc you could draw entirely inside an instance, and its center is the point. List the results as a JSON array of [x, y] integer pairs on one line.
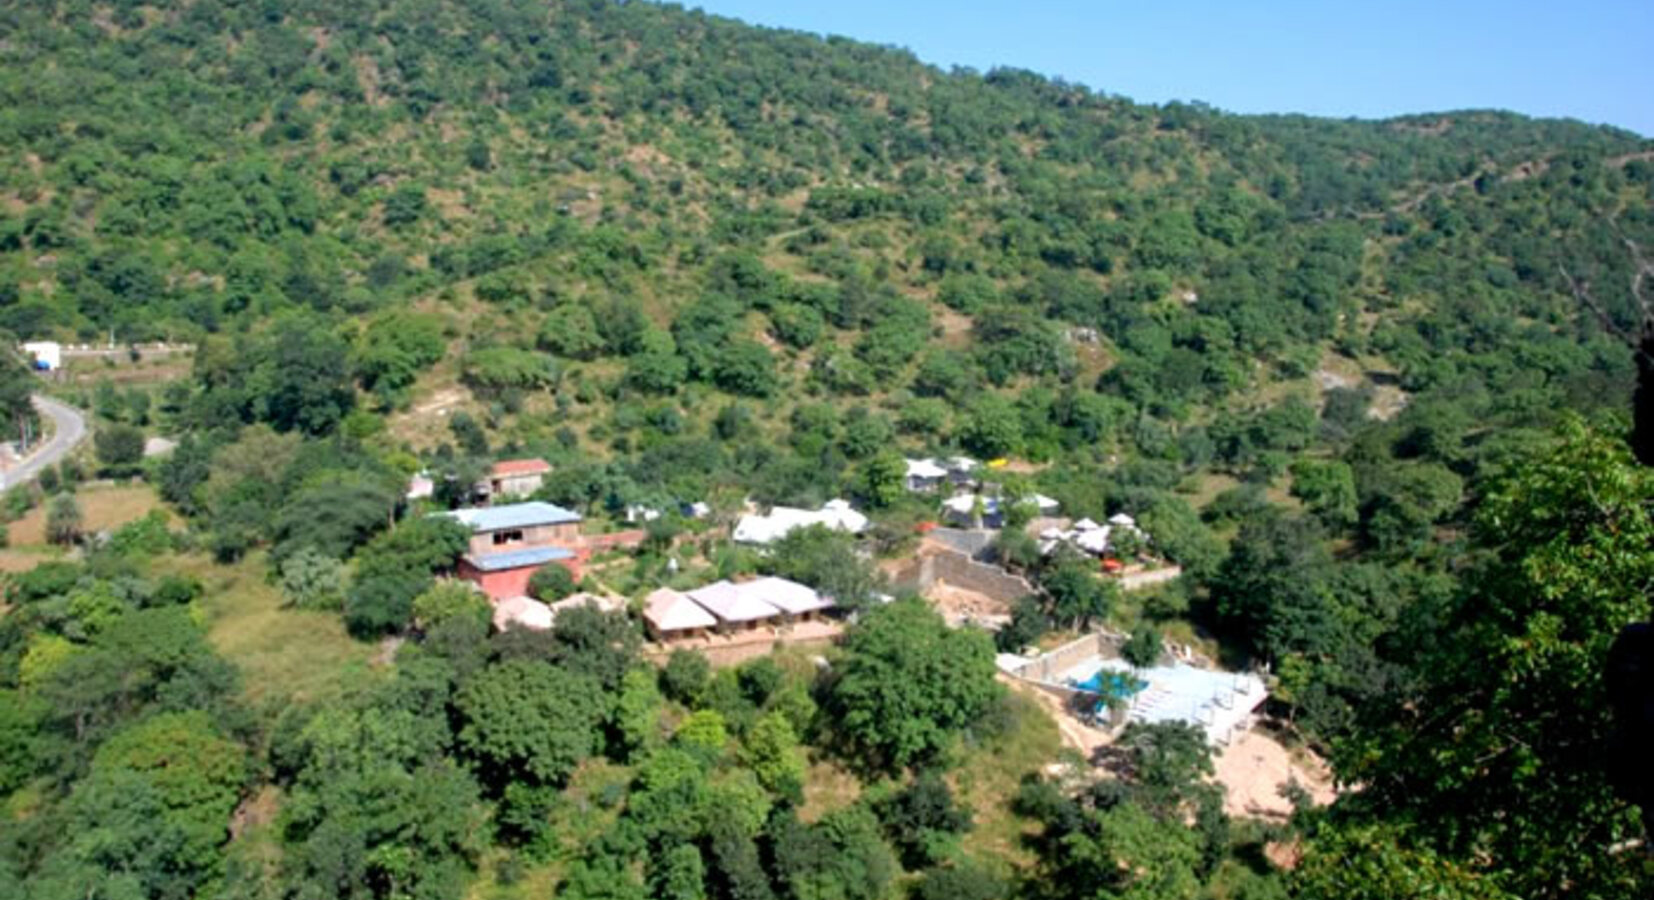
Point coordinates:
[[70, 430]]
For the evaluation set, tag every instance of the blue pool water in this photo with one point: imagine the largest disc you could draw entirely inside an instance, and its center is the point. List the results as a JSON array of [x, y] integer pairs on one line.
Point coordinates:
[[1112, 685]]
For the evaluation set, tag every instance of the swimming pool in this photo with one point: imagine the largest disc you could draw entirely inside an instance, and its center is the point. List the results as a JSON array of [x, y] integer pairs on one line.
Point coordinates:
[[1111, 685]]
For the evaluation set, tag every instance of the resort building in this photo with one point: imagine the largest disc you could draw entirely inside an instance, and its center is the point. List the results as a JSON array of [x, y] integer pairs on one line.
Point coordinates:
[[510, 543]]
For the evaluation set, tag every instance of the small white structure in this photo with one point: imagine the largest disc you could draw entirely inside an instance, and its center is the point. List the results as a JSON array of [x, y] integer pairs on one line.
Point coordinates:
[[47, 355], [961, 509], [1090, 537], [836, 515], [700, 509], [522, 612], [605, 603], [420, 487], [637, 512], [1094, 541], [1046, 505], [925, 475], [159, 446], [527, 612]]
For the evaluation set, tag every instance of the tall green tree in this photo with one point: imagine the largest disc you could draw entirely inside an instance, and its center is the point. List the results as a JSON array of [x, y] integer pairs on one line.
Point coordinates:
[[528, 719], [908, 684], [1494, 762]]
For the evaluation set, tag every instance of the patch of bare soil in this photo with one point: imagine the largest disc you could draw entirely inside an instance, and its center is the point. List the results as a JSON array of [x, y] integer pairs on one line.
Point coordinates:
[[958, 605], [1387, 403], [440, 402], [1255, 768], [385, 654], [259, 809]]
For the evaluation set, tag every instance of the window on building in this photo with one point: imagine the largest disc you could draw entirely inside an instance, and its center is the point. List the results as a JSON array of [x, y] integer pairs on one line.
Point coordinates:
[[514, 536]]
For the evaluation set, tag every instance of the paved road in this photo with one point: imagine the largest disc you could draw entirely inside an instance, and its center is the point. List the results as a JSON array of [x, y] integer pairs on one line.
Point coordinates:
[[70, 430]]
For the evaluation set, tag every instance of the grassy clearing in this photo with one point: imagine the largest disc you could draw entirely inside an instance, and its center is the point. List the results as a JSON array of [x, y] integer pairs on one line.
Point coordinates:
[[150, 369], [828, 787], [588, 809], [103, 507], [283, 654], [990, 776], [22, 559]]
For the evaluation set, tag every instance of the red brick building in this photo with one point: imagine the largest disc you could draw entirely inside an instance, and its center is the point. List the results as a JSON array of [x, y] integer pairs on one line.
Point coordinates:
[[510, 478], [510, 543]]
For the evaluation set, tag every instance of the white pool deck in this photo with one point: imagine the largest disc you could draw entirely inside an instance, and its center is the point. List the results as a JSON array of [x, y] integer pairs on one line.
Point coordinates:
[[1219, 702]]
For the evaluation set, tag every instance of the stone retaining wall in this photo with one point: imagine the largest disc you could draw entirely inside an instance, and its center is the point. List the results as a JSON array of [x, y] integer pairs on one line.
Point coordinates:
[[1049, 667], [990, 581], [958, 570], [1138, 580]]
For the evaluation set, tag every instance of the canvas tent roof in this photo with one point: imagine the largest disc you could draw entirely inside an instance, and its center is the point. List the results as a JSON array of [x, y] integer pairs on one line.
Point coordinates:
[[603, 602], [525, 612], [925, 468], [835, 514], [1093, 541]]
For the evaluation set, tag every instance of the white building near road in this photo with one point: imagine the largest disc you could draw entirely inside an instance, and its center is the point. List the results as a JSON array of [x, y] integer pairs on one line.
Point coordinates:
[[47, 355]]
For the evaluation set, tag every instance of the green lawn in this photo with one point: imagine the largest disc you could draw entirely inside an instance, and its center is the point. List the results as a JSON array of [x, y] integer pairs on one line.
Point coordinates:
[[283, 654], [990, 775]]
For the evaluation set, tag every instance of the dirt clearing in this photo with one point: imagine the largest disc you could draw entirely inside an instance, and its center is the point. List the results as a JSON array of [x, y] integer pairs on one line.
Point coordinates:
[[1255, 767]]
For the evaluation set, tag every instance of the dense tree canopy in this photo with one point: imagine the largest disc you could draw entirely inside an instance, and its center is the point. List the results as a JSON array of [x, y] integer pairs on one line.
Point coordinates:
[[908, 684], [690, 263]]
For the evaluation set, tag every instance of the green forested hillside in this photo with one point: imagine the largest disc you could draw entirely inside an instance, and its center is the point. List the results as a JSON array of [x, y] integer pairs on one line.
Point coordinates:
[[1338, 370]]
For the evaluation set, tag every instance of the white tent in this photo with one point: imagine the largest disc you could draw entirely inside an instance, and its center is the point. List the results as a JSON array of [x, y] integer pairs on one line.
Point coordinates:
[[925, 468], [835, 514], [1094, 541]]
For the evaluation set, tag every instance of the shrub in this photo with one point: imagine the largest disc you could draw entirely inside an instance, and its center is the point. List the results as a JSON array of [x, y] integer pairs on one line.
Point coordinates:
[[685, 677], [120, 449], [63, 520], [551, 583], [311, 579]]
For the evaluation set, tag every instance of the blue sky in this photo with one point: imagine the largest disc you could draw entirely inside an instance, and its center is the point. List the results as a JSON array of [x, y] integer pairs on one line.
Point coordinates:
[[1584, 59]]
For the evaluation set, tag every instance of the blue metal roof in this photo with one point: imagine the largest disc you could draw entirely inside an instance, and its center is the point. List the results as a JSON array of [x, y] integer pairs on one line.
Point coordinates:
[[517, 559], [514, 515]]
